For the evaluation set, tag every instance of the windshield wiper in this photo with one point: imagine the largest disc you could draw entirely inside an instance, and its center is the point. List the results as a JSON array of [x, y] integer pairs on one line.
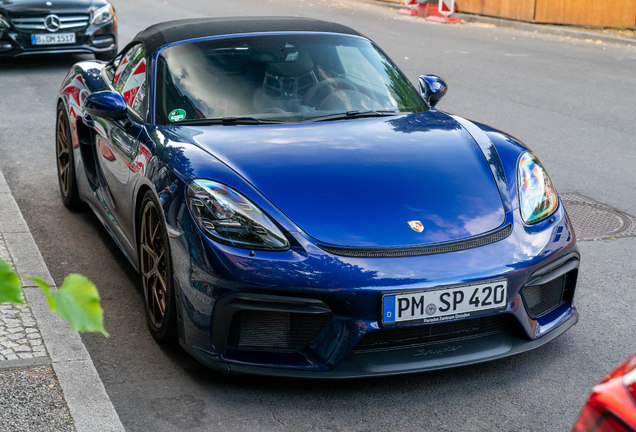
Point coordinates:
[[227, 121], [353, 114]]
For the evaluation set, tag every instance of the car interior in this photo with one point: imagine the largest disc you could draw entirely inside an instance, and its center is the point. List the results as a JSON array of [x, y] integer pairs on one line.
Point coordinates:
[[269, 77]]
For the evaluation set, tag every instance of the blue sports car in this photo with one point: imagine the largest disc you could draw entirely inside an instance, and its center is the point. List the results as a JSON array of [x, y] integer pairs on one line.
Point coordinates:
[[296, 207]]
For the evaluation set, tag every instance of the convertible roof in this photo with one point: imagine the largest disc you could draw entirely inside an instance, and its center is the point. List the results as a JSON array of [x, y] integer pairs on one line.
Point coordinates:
[[168, 32]]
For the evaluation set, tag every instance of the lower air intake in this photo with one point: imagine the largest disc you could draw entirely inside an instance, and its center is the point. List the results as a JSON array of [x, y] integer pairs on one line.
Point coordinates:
[[419, 335], [276, 331], [542, 299]]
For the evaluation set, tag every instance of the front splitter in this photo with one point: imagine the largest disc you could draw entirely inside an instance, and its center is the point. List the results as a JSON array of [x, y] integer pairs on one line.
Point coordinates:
[[399, 361]]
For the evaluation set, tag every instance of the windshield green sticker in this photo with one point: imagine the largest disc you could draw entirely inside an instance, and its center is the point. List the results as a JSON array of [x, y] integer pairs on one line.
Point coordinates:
[[177, 115]]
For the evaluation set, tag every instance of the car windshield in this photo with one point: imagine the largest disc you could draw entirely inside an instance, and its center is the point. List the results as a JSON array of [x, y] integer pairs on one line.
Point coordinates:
[[279, 78]]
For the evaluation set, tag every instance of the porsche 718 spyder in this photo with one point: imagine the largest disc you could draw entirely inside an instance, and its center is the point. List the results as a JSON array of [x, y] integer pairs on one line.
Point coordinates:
[[295, 206]]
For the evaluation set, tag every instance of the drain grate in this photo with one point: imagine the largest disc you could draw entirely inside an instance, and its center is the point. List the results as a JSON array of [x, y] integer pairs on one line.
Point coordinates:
[[595, 221]]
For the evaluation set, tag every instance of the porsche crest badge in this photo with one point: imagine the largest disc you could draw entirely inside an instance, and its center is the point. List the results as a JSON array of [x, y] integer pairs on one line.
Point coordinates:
[[416, 226]]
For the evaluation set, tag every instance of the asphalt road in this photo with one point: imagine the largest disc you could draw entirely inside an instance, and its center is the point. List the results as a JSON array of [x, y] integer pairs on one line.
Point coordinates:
[[572, 101]]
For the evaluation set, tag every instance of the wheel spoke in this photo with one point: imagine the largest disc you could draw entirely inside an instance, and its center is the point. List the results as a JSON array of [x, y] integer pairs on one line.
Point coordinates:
[[151, 300], [61, 137], [161, 302], [64, 179], [160, 306], [63, 124], [152, 254], [149, 239], [154, 233]]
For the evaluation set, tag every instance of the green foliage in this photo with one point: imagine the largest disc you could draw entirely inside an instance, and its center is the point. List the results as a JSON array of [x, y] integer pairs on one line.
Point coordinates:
[[76, 301], [10, 286]]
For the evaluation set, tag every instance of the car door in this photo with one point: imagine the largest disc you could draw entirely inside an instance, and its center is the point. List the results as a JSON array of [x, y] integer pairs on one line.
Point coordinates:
[[117, 146]]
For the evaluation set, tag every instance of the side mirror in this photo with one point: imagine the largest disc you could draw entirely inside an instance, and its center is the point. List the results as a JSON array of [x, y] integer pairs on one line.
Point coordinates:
[[432, 88], [107, 104]]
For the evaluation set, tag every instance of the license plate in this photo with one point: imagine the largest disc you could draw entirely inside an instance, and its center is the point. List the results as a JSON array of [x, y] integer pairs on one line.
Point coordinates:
[[53, 39], [444, 304]]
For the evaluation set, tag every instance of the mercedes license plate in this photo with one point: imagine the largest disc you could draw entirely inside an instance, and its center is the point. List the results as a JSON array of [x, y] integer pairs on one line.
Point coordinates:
[[53, 39], [444, 304]]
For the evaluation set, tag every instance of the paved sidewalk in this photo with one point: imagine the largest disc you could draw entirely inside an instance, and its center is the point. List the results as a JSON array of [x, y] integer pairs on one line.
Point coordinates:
[[571, 31], [19, 336], [47, 378]]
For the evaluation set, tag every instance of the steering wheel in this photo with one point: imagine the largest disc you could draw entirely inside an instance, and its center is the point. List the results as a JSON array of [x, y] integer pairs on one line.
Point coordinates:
[[341, 83], [271, 110]]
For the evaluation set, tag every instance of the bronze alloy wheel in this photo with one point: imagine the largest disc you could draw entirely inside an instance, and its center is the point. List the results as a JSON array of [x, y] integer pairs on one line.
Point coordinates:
[[155, 271], [65, 162], [62, 152]]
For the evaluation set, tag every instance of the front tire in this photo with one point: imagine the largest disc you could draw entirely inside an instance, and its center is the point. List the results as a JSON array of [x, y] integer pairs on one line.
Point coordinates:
[[155, 271], [65, 160]]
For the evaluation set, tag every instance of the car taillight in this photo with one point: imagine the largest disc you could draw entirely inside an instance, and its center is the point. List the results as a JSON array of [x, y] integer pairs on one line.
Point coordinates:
[[611, 407]]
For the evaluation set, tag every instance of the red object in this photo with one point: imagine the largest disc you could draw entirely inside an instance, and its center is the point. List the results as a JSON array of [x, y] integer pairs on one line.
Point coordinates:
[[431, 13], [426, 10], [611, 406], [445, 20], [410, 12]]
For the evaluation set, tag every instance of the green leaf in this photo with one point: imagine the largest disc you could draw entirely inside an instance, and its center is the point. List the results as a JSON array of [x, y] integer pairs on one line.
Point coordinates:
[[77, 301], [10, 285], [47, 290]]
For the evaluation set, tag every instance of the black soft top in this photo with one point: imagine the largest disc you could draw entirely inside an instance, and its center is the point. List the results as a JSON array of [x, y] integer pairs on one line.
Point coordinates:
[[168, 32]]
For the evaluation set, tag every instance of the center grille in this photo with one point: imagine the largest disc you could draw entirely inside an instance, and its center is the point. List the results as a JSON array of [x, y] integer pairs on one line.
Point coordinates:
[[413, 336], [74, 22]]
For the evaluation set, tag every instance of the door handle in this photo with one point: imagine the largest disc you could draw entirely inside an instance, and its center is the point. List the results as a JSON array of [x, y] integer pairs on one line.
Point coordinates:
[[88, 120]]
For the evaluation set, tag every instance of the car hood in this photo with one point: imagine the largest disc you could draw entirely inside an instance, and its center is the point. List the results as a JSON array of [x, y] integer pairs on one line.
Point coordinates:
[[360, 182], [38, 7]]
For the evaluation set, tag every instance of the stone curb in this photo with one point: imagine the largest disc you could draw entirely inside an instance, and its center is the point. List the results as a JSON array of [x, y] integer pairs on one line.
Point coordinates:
[[24, 363], [556, 29], [83, 390]]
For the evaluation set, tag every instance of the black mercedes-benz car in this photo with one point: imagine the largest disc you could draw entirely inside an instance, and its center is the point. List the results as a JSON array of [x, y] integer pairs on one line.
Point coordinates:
[[29, 27]]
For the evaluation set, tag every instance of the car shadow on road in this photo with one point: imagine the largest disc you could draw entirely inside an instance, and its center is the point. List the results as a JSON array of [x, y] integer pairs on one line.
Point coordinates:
[[427, 399], [38, 63]]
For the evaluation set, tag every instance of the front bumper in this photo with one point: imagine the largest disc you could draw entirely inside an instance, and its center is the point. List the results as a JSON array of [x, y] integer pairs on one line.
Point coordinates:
[[435, 356], [210, 277]]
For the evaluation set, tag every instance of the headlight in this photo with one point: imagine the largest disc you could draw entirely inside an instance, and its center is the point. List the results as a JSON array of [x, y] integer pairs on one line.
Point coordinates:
[[103, 14], [3, 22], [228, 217], [537, 197]]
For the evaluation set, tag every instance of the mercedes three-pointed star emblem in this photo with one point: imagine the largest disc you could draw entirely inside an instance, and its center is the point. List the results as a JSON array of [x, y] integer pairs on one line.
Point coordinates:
[[52, 23]]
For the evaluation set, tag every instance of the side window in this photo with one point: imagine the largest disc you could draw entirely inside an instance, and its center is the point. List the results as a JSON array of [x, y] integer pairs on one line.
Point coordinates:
[[124, 63], [130, 78]]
